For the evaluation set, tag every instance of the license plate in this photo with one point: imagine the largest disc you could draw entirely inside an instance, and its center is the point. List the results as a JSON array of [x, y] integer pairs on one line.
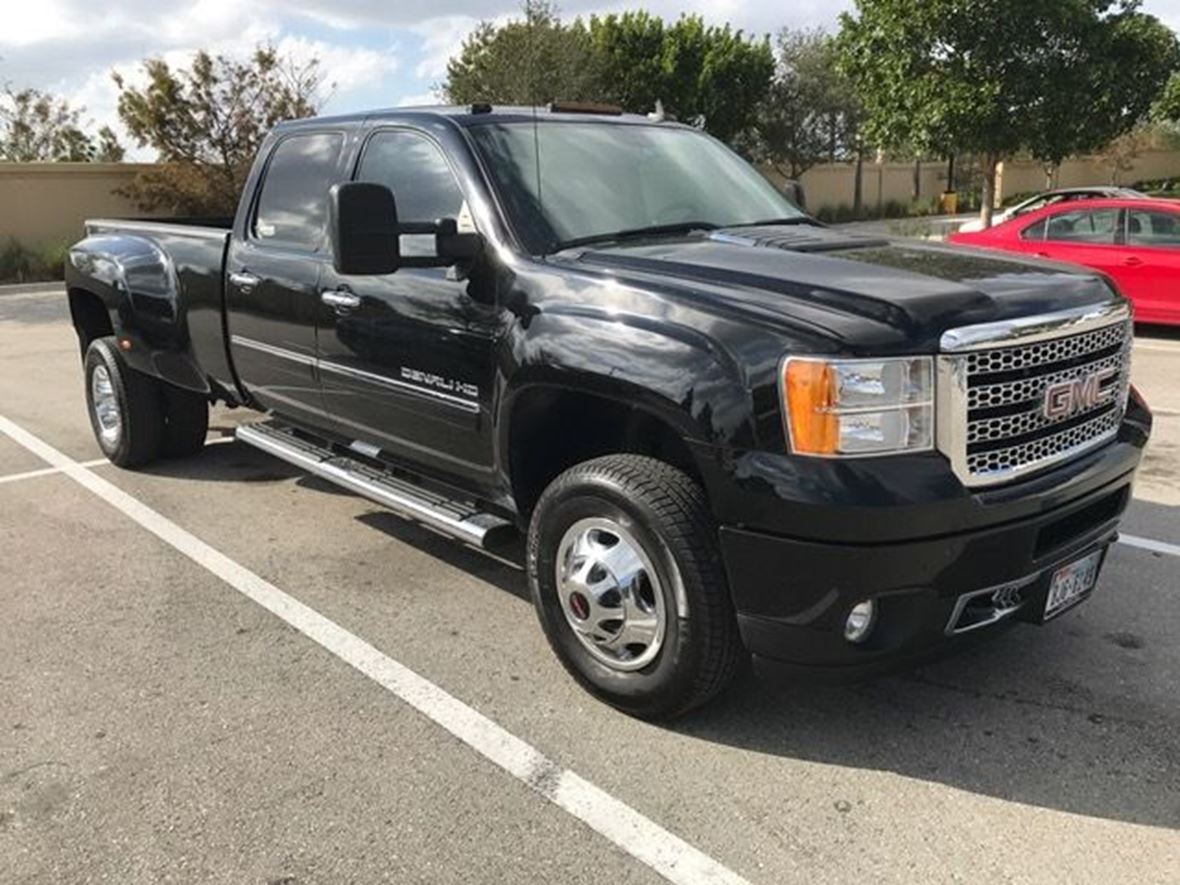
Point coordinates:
[[1071, 582]]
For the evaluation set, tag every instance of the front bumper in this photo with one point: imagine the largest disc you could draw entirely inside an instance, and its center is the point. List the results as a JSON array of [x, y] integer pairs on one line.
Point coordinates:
[[793, 593]]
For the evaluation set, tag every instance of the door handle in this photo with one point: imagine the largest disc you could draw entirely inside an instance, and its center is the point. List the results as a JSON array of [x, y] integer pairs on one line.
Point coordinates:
[[244, 280], [1132, 261], [1042, 255], [339, 299]]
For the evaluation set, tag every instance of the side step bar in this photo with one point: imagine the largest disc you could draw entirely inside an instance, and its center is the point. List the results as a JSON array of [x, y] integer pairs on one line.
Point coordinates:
[[454, 518]]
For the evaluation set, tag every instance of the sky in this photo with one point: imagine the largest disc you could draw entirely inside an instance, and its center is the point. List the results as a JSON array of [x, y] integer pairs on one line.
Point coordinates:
[[377, 53]]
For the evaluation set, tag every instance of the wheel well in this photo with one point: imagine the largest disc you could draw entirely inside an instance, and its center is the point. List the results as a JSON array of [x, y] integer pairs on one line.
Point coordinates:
[[553, 429], [90, 317]]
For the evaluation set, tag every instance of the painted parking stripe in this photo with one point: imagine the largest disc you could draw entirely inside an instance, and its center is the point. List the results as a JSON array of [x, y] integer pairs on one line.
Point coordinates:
[[48, 471], [641, 837], [97, 462], [1149, 544]]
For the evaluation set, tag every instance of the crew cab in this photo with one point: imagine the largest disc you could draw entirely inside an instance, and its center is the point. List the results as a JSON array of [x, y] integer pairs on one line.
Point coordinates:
[[723, 428]]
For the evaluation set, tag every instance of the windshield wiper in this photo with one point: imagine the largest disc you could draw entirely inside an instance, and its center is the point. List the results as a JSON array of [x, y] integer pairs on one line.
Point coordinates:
[[653, 230]]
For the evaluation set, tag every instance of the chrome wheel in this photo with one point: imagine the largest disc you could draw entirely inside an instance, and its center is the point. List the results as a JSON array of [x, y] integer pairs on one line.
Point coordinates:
[[105, 403], [610, 594]]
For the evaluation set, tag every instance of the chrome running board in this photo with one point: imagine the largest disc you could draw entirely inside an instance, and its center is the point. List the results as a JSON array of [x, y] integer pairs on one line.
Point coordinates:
[[455, 518]]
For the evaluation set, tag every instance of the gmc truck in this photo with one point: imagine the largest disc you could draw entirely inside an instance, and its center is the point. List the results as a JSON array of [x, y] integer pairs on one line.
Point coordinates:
[[721, 428]]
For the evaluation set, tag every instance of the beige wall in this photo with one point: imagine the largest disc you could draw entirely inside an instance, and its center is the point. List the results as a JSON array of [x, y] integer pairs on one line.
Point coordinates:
[[1020, 177], [831, 185], [47, 202]]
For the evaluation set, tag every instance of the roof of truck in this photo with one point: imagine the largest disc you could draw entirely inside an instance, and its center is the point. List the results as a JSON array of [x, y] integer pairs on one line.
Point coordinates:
[[467, 115]]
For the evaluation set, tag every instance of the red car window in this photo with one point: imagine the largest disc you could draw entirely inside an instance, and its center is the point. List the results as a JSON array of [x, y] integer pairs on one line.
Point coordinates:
[[1152, 228], [1035, 231], [1096, 226]]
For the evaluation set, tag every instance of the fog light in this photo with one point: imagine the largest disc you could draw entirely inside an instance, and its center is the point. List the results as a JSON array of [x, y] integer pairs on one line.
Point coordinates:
[[861, 621]]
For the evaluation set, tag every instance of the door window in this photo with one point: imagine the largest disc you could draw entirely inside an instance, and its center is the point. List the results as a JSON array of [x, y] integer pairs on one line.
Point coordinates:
[[1035, 231], [1152, 228], [1095, 226], [413, 167], [293, 205]]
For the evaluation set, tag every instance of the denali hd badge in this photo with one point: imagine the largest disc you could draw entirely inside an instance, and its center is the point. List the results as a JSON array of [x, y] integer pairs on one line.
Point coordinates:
[[1067, 398]]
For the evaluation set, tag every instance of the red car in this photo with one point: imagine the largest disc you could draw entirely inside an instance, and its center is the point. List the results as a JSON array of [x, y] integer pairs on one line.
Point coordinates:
[[1135, 242]]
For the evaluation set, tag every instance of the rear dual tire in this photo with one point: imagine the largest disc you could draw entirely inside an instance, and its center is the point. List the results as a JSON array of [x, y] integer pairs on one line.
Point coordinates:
[[135, 418]]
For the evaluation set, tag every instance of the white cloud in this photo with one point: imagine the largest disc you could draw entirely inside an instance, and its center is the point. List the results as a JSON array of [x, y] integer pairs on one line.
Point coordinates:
[[442, 37], [426, 98]]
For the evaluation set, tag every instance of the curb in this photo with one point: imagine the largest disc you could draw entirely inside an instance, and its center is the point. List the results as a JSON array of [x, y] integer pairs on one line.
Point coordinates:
[[31, 288]]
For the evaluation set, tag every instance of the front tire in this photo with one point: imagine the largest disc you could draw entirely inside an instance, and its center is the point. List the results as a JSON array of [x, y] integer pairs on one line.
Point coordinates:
[[126, 411], [626, 577]]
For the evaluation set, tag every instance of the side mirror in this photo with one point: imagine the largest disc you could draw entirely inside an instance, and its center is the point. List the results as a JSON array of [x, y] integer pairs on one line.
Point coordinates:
[[362, 221], [452, 246]]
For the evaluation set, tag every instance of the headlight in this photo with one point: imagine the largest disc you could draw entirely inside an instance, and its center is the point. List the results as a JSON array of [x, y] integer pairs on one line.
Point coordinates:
[[858, 407]]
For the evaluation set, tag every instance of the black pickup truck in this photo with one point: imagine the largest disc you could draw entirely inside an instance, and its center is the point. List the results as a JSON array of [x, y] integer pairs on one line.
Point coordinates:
[[724, 428]]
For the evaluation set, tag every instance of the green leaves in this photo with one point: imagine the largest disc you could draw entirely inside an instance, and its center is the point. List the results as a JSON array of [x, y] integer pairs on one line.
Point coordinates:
[[38, 127], [207, 123], [632, 59], [811, 114], [1000, 76]]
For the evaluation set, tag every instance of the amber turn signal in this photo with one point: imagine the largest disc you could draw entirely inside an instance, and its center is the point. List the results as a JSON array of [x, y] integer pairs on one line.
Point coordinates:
[[809, 387]]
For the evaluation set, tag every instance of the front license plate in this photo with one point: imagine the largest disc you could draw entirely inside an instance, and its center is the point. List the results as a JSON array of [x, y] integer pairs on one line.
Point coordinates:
[[1071, 582]]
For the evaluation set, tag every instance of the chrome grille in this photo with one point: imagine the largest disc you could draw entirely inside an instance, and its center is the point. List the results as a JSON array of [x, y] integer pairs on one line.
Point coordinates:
[[993, 422]]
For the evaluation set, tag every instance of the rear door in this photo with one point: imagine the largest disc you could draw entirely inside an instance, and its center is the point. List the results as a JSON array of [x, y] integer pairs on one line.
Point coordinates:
[[407, 367], [273, 271], [1150, 272]]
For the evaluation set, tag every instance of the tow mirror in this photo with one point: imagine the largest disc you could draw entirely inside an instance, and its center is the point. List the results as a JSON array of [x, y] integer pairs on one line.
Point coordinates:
[[455, 247], [362, 220]]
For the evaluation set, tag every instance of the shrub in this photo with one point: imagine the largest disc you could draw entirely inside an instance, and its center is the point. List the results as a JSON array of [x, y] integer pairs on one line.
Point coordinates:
[[32, 264]]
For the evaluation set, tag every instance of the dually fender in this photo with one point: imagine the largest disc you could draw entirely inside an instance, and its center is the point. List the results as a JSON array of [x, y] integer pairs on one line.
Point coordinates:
[[136, 281]]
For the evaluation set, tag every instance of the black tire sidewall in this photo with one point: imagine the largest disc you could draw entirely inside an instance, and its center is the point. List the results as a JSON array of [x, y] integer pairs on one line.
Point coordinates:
[[139, 406], [659, 687]]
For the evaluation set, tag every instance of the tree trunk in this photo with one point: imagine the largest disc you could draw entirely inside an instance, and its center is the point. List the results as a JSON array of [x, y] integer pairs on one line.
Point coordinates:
[[990, 162], [858, 182], [917, 179]]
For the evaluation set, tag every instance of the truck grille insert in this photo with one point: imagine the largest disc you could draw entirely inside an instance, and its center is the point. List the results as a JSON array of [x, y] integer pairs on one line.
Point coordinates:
[[1014, 409]]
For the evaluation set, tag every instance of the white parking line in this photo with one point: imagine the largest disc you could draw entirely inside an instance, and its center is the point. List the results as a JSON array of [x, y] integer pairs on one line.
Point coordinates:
[[1149, 544], [641, 837], [48, 471], [97, 462]]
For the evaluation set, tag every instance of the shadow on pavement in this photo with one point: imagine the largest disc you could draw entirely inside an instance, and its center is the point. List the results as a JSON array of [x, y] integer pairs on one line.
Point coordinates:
[[998, 719]]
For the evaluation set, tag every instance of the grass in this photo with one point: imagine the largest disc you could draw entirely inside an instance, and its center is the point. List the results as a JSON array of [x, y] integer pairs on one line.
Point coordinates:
[[44, 262]]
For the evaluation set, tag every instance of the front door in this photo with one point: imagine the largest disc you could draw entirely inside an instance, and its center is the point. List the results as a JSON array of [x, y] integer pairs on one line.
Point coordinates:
[[1083, 236], [405, 359], [273, 273]]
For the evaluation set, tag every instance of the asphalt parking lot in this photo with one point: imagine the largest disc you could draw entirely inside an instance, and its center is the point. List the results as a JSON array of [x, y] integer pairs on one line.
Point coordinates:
[[222, 670]]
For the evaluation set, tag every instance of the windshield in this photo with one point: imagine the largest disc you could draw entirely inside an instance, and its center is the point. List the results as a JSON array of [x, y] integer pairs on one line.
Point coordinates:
[[599, 179]]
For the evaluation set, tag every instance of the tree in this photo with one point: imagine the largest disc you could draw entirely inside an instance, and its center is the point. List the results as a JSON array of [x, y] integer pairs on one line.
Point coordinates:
[[811, 114], [38, 127], [207, 123], [694, 70], [534, 60], [631, 59], [994, 77]]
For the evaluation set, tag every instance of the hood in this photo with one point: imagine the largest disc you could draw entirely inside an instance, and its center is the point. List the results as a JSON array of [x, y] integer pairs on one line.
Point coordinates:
[[841, 283]]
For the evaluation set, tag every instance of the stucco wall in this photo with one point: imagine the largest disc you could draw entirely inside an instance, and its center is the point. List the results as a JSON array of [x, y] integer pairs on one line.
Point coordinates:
[[47, 202]]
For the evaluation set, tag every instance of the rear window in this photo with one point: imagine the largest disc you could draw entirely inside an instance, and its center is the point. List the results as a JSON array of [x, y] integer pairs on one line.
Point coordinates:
[[293, 205], [1152, 228]]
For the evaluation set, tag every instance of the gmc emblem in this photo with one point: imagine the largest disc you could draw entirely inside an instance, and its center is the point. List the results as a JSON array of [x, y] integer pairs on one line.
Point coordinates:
[[1067, 398]]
